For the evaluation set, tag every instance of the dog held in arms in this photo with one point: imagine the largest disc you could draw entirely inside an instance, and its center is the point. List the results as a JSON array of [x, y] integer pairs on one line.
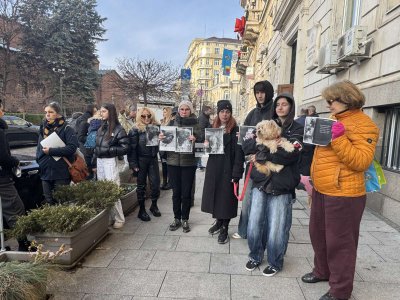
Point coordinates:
[[269, 135]]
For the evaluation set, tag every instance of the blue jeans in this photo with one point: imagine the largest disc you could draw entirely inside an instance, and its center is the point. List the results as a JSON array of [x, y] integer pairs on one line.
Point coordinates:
[[244, 214], [269, 225]]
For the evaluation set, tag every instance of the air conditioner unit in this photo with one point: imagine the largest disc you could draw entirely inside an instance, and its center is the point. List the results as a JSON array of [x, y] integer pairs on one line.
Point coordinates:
[[353, 45], [327, 59]]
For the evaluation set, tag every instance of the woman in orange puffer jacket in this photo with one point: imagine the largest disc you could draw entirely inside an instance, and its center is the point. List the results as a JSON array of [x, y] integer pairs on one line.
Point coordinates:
[[339, 194]]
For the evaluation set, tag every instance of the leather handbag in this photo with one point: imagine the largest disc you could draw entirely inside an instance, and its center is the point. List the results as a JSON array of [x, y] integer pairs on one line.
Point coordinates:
[[78, 169]]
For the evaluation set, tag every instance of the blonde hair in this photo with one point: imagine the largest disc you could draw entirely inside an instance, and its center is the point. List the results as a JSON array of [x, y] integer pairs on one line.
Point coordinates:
[[345, 92], [165, 121], [139, 121]]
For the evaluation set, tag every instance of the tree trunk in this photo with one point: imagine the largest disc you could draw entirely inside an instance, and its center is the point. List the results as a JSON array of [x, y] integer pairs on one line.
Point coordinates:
[[145, 98]]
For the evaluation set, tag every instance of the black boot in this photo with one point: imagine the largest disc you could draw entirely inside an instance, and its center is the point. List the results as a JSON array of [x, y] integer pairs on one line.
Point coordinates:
[[25, 246], [223, 236], [216, 227], [166, 186], [143, 215], [154, 209]]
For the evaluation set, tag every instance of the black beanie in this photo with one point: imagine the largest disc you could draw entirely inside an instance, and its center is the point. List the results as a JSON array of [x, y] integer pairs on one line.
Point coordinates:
[[224, 104]]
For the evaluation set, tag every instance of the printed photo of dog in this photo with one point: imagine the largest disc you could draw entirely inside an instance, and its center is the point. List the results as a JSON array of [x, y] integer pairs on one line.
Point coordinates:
[[269, 135]]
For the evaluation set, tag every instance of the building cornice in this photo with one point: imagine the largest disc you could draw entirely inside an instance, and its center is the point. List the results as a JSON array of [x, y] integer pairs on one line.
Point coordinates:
[[283, 12]]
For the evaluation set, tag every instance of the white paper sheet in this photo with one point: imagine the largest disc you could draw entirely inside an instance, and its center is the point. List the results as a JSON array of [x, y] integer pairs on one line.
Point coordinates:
[[53, 141]]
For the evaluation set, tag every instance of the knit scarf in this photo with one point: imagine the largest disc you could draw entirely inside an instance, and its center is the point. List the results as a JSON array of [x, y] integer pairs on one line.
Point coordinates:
[[50, 126]]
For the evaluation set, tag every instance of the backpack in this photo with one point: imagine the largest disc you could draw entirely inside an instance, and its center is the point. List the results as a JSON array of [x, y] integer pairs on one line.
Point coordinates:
[[91, 140], [78, 169]]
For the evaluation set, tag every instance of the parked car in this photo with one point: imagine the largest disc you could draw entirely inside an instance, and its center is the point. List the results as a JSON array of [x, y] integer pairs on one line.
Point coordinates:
[[29, 184], [21, 132]]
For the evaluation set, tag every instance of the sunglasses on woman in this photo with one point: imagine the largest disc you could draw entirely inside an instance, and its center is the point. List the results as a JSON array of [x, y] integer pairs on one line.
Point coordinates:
[[146, 116], [330, 101]]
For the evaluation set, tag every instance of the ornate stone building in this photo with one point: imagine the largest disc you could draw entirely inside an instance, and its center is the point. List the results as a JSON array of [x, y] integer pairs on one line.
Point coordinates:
[[304, 46]]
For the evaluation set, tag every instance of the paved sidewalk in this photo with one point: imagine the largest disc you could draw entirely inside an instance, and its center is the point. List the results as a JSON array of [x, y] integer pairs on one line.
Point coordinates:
[[145, 260]]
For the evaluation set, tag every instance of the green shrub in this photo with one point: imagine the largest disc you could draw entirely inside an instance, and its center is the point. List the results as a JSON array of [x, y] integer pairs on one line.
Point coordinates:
[[22, 280], [98, 195], [58, 218], [127, 188]]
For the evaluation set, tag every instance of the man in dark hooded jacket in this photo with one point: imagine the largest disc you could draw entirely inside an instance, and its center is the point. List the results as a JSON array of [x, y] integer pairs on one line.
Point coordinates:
[[264, 93]]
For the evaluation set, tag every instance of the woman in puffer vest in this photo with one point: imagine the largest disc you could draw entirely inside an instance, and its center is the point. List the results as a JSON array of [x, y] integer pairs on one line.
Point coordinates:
[[339, 195], [182, 166], [111, 142]]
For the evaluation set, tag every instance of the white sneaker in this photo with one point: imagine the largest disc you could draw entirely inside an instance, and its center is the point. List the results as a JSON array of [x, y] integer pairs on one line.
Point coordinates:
[[236, 236], [118, 225]]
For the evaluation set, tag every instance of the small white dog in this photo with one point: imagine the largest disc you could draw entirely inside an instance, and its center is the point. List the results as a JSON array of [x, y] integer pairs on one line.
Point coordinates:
[[269, 135]]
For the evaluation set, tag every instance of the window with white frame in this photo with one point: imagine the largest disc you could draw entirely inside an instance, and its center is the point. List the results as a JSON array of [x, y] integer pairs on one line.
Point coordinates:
[[390, 155], [207, 61], [216, 50], [227, 95], [351, 14], [216, 62]]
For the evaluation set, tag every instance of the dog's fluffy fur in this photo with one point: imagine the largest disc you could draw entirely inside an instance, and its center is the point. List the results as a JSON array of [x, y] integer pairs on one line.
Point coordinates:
[[268, 133]]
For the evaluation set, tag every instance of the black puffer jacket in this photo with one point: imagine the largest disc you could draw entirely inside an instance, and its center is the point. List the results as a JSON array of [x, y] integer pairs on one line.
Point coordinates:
[[51, 169], [260, 113], [138, 148], [116, 145], [288, 178], [7, 162], [185, 159]]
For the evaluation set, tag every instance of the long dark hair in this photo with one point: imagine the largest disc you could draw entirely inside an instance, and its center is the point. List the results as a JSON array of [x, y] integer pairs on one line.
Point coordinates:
[[112, 118]]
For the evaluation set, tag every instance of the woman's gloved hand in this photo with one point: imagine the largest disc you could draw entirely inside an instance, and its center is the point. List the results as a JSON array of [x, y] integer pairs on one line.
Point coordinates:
[[337, 130]]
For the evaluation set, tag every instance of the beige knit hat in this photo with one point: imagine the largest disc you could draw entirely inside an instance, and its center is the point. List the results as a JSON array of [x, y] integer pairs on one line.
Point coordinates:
[[187, 103]]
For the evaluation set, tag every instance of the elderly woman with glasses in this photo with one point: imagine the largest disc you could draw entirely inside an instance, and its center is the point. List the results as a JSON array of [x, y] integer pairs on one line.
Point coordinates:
[[143, 161], [182, 167], [339, 196]]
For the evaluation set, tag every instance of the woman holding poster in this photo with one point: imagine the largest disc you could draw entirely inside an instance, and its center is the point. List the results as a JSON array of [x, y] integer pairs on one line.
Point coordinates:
[[143, 160], [182, 166], [221, 172], [339, 196]]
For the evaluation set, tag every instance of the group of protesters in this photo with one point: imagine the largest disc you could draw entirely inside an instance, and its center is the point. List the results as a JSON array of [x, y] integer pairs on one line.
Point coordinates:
[[336, 173]]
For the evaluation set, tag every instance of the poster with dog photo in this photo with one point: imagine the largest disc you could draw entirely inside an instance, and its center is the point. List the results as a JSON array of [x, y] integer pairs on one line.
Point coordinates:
[[245, 133], [152, 132], [169, 141], [318, 131], [214, 138], [183, 144]]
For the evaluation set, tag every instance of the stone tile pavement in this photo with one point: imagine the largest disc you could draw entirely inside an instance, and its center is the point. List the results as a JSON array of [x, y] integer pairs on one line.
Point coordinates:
[[145, 260]]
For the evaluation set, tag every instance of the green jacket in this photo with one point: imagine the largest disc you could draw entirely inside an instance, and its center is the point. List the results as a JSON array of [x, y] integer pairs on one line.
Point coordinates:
[[185, 159]]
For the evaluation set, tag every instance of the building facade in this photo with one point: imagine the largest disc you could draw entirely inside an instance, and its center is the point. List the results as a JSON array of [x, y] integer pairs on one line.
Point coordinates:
[[304, 46], [208, 84]]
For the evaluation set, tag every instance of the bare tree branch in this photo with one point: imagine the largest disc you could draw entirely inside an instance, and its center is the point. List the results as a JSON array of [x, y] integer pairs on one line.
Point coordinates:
[[148, 78]]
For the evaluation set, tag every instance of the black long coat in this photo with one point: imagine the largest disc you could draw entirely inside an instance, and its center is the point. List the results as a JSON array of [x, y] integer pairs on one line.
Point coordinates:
[[218, 196]]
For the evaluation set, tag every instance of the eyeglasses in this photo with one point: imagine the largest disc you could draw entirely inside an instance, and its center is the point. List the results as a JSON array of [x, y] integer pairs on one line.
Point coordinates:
[[330, 101], [146, 116]]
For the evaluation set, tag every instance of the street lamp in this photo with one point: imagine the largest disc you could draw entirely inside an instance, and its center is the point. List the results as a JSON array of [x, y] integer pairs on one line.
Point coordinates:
[[62, 74]]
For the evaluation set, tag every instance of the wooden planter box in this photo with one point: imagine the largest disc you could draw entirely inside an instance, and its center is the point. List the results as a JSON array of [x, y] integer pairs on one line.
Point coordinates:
[[129, 202], [82, 241]]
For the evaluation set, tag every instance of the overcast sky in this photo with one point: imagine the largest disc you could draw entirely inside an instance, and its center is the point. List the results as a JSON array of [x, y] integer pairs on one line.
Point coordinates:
[[162, 29]]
